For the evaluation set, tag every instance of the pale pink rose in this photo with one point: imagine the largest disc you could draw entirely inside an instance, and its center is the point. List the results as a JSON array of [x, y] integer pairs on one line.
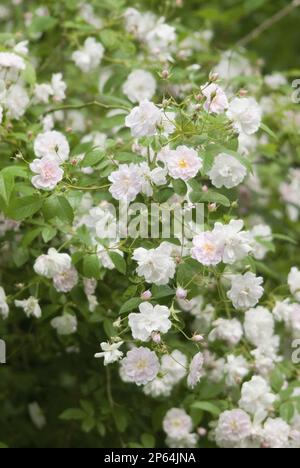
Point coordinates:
[[49, 174], [207, 249], [184, 163], [66, 281], [216, 100]]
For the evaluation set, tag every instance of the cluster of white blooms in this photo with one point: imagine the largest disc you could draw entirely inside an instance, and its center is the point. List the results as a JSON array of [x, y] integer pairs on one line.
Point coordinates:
[[154, 32], [89, 56], [173, 368], [157, 266], [178, 426], [225, 243], [132, 179], [158, 135], [57, 266], [150, 320], [14, 98], [56, 90], [52, 149]]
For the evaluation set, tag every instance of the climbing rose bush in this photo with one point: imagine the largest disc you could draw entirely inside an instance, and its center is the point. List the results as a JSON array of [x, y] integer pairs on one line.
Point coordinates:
[[116, 339]]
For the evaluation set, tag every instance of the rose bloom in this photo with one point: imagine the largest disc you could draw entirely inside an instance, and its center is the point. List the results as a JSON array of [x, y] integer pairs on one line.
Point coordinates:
[[11, 60], [140, 366], [144, 119], [4, 309], [207, 249], [65, 325], [246, 290], [52, 264], [66, 281], [140, 85], [110, 352], [177, 423], [216, 100], [233, 428], [126, 182], [245, 114], [30, 306], [155, 265], [184, 163], [150, 319], [195, 371], [257, 397], [227, 171], [49, 173], [294, 282], [52, 145]]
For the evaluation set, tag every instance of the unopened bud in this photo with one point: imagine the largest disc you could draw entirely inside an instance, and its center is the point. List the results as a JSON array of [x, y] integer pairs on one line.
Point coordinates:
[[199, 97], [212, 207], [181, 293], [146, 295], [165, 74], [69, 130], [156, 338], [198, 338], [213, 76], [202, 431], [243, 92], [204, 188]]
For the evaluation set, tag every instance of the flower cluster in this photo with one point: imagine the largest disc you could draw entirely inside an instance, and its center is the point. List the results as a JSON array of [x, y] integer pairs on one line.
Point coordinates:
[[201, 319]]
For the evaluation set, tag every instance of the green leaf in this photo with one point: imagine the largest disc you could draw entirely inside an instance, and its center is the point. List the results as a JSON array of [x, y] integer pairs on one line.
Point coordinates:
[[88, 424], [48, 233], [29, 74], [20, 256], [285, 238], [206, 406], [42, 24], [277, 380], [93, 158], [267, 130], [55, 206], [30, 236], [286, 411], [160, 292], [130, 305], [179, 187], [73, 414], [65, 210], [209, 197], [164, 195], [91, 266], [87, 407], [22, 208], [119, 262], [7, 183]]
